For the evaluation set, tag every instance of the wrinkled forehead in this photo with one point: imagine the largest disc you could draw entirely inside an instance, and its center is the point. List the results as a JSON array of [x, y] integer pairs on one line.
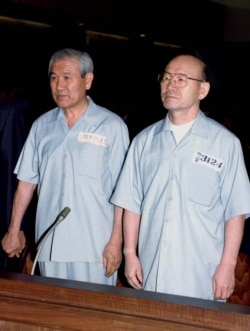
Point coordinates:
[[185, 64]]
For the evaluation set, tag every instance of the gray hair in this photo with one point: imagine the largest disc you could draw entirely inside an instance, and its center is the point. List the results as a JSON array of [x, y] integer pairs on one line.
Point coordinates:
[[85, 61]]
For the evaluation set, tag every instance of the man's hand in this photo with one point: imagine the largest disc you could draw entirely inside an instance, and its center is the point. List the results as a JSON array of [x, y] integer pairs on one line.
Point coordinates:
[[13, 244], [223, 282], [112, 258], [133, 271]]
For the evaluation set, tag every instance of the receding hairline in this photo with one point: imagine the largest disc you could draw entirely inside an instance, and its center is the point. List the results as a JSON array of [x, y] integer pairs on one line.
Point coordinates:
[[194, 58]]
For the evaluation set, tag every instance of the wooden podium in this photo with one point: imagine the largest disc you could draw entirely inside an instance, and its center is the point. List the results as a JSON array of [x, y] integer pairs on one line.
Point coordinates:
[[47, 304]]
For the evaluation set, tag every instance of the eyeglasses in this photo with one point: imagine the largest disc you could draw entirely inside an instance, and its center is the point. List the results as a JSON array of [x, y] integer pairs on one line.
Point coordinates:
[[180, 80]]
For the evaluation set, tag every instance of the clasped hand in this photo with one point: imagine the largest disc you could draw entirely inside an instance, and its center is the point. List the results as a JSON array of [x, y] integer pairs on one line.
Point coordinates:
[[13, 244]]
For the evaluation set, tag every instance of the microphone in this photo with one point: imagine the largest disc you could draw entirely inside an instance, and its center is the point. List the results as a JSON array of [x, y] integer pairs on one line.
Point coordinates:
[[63, 214]]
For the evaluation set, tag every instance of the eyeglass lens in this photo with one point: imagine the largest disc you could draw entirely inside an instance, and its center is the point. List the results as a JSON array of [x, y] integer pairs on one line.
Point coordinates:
[[179, 80]]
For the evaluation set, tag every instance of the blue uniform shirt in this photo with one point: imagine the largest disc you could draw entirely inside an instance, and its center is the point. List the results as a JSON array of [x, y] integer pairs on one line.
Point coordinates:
[[76, 168], [184, 193]]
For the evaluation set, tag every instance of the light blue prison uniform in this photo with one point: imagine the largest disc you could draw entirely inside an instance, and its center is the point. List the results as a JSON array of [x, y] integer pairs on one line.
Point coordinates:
[[185, 193], [76, 168]]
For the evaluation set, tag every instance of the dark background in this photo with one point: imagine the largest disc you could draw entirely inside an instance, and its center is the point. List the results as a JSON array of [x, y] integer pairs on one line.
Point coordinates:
[[126, 65]]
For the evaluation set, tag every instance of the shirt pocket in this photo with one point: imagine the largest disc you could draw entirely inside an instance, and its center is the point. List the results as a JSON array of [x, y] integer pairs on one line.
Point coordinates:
[[92, 161], [203, 185]]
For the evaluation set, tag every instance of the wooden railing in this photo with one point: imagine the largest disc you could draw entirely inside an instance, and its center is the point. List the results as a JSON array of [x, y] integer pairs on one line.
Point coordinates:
[[39, 303]]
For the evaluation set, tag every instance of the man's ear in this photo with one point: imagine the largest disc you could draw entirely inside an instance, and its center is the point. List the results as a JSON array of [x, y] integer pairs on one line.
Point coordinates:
[[88, 80], [204, 89]]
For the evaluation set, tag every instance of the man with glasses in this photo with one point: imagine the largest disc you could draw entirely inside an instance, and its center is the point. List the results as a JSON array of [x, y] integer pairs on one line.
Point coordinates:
[[186, 194]]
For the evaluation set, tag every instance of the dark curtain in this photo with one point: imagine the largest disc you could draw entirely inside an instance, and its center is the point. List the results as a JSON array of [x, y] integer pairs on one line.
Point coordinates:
[[12, 136]]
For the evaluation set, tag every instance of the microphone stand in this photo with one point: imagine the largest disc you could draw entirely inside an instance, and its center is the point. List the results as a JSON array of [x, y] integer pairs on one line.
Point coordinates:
[[63, 214]]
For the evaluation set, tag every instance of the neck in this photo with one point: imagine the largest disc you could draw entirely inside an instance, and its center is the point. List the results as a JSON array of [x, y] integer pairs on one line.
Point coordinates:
[[73, 114], [181, 117]]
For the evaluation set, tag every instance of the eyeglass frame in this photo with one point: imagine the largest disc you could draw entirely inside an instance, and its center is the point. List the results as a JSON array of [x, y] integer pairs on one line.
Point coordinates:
[[178, 73]]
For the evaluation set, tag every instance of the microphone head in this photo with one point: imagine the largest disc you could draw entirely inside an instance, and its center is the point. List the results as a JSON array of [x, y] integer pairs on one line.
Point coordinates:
[[65, 212]]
